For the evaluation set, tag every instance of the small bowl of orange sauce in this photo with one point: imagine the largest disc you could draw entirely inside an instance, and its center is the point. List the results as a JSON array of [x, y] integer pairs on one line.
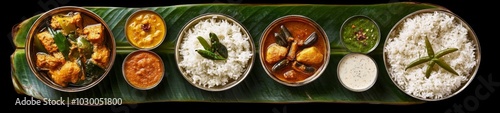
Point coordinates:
[[143, 69]]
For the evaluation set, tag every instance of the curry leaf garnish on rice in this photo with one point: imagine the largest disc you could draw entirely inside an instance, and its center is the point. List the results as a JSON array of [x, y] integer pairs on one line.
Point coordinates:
[[434, 58], [215, 52]]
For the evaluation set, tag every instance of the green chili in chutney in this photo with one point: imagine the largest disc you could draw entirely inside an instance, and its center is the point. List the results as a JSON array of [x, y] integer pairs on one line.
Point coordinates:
[[360, 34]]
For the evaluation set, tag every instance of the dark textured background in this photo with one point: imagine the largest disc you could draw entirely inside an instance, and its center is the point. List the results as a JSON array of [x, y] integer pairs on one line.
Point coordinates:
[[477, 13]]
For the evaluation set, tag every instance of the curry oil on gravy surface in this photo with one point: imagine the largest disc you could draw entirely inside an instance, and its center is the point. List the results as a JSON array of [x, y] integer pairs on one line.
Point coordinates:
[[300, 29], [143, 69]]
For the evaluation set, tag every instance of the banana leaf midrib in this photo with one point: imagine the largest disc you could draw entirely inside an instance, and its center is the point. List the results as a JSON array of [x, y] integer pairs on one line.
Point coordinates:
[[257, 87]]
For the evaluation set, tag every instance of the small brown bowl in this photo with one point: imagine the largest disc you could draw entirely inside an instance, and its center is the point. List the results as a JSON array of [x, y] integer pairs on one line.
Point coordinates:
[[153, 69]]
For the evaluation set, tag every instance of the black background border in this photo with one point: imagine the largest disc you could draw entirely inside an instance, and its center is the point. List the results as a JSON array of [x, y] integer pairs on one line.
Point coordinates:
[[475, 13]]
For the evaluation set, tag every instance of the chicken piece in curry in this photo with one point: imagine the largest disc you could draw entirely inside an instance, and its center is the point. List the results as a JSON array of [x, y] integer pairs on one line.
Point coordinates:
[[275, 53]]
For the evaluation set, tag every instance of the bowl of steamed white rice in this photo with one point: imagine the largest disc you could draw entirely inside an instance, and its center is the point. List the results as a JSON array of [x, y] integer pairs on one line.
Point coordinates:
[[432, 54], [219, 73]]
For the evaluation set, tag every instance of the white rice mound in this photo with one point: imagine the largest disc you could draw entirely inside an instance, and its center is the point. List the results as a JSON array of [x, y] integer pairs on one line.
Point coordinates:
[[210, 73], [408, 44]]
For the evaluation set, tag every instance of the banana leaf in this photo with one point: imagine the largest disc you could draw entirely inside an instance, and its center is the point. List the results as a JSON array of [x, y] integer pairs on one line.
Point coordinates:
[[257, 87]]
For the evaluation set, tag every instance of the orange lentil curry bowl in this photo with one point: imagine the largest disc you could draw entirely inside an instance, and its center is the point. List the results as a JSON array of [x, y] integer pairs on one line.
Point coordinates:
[[143, 69]]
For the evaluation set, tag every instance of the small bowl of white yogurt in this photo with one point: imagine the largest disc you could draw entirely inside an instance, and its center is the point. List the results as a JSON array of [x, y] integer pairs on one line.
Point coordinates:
[[357, 72]]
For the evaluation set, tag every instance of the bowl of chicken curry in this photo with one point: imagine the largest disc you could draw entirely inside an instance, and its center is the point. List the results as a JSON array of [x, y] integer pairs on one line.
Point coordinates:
[[294, 50], [70, 49]]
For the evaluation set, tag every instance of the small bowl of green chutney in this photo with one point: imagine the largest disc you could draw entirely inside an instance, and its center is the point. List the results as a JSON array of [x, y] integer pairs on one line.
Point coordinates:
[[360, 34]]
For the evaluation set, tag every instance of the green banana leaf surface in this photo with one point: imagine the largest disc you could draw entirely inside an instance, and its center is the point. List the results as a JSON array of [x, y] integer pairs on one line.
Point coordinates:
[[257, 87]]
